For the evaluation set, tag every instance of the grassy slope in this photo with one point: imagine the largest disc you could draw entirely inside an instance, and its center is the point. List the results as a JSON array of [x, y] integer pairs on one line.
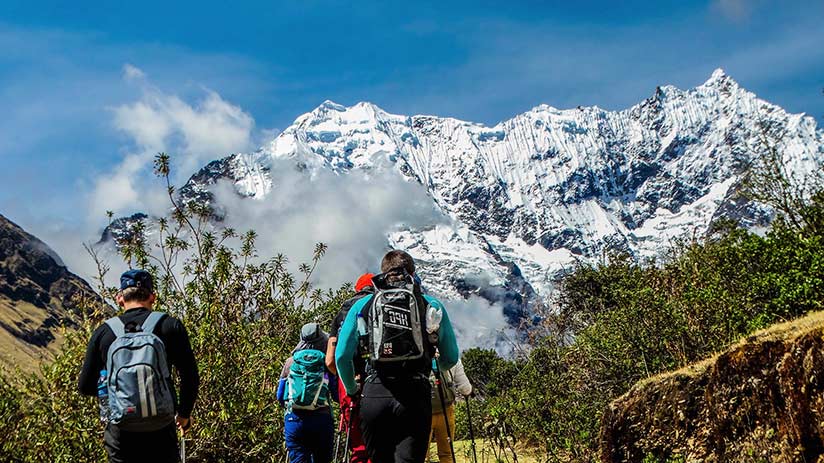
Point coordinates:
[[486, 453], [759, 400], [15, 352], [786, 332]]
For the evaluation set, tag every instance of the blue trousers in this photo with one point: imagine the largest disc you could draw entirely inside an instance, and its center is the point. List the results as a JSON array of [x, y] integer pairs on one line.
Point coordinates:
[[310, 436]]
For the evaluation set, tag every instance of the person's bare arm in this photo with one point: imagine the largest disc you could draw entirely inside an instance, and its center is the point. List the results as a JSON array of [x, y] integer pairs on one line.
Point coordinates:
[[330, 355]]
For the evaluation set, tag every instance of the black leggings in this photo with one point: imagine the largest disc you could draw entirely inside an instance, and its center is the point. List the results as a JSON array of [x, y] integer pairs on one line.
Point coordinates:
[[396, 417]]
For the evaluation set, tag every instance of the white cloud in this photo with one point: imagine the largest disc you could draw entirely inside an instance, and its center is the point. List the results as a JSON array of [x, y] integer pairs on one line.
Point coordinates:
[[127, 189], [113, 192], [68, 160], [735, 10], [131, 72], [149, 127], [194, 133], [350, 213], [477, 323], [197, 133]]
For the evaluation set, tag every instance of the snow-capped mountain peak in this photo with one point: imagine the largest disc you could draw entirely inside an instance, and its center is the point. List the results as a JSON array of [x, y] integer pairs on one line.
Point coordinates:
[[529, 196], [719, 77]]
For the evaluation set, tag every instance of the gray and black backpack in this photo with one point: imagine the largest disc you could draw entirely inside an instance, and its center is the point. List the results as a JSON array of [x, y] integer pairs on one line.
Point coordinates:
[[396, 322], [139, 382]]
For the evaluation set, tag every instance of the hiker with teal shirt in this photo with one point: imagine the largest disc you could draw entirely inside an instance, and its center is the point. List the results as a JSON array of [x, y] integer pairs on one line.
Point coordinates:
[[306, 388], [402, 327]]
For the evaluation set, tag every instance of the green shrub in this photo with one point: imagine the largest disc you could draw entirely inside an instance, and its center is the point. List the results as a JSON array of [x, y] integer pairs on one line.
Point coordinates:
[[243, 317], [623, 321], [615, 323]]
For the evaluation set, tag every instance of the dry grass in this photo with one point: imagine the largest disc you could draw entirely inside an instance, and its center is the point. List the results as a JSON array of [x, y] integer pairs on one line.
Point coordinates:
[[486, 453], [786, 331], [759, 400], [15, 352]]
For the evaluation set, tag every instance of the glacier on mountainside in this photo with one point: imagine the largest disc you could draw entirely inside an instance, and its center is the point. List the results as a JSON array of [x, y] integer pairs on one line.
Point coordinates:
[[528, 198]]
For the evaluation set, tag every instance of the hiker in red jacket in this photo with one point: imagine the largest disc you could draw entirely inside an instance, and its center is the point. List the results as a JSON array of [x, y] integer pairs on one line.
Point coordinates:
[[349, 420]]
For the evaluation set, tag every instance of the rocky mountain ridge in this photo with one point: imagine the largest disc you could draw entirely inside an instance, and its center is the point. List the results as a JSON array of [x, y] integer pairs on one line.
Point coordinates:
[[529, 197], [38, 295]]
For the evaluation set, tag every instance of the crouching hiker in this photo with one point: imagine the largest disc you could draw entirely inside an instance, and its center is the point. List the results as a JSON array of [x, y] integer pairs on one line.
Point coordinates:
[[401, 327], [349, 406], [306, 388], [128, 365], [446, 384]]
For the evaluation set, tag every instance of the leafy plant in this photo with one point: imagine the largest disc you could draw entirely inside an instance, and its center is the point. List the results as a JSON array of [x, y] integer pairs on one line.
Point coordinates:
[[622, 321], [243, 315]]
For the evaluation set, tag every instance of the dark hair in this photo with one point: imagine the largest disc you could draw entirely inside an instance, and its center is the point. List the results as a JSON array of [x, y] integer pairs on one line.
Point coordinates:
[[136, 294], [396, 259]]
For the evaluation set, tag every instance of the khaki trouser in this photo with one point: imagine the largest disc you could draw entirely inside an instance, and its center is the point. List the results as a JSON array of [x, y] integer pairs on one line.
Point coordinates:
[[439, 430]]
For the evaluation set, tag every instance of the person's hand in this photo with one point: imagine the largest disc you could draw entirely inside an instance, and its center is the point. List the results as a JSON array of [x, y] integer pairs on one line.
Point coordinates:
[[355, 396], [183, 423]]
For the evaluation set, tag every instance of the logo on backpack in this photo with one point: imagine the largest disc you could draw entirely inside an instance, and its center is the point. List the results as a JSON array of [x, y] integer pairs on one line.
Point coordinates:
[[396, 331], [308, 384], [139, 382]]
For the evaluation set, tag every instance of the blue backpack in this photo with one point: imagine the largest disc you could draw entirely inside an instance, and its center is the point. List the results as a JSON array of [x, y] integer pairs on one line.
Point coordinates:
[[139, 382], [308, 384]]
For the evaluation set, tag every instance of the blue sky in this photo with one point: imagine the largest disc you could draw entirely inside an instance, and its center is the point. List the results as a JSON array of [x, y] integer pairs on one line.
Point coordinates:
[[82, 84]]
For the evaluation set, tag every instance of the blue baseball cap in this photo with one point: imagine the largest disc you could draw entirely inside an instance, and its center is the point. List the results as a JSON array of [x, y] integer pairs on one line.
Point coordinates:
[[136, 278]]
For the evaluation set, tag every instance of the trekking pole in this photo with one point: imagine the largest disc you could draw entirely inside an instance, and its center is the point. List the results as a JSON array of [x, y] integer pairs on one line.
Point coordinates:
[[182, 448], [439, 385], [337, 442], [347, 450], [471, 433]]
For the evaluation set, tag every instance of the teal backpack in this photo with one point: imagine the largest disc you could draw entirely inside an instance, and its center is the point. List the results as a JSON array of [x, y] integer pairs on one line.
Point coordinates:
[[308, 384]]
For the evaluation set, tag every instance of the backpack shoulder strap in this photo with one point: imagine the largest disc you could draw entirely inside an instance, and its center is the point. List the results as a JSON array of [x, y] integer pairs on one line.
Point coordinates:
[[117, 326], [432, 301], [448, 378], [151, 321], [362, 303]]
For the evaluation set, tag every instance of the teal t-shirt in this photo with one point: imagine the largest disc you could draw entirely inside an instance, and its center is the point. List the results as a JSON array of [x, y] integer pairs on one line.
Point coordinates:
[[348, 342]]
